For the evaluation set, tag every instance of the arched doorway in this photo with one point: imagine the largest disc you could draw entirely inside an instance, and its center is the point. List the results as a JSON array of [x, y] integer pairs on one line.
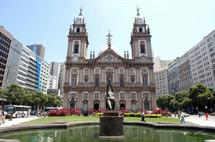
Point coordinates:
[[96, 105], [146, 103], [72, 102], [122, 105]]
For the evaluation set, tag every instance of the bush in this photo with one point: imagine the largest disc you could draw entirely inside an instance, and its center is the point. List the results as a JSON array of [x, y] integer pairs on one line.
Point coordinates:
[[99, 114], [132, 114], [64, 112], [153, 115]]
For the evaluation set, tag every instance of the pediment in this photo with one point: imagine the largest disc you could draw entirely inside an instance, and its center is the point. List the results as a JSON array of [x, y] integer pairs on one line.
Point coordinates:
[[109, 56]]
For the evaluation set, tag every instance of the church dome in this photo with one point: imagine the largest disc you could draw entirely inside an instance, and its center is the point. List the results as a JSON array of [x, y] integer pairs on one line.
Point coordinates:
[[80, 19]]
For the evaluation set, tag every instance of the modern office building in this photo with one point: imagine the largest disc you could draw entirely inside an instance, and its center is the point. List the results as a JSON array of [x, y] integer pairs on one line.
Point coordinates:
[[26, 68], [196, 66], [132, 78], [55, 73], [53, 82], [45, 70], [5, 42], [160, 73], [179, 74], [39, 49], [202, 61]]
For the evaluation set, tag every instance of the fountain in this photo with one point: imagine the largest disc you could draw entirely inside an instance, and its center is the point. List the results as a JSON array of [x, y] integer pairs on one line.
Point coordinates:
[[111, 123]]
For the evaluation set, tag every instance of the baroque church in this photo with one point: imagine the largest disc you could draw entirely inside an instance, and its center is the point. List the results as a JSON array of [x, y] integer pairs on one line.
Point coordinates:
[[132, 78]]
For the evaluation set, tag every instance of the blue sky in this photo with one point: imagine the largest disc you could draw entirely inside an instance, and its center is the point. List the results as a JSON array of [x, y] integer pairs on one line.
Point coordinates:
[[176, 25]]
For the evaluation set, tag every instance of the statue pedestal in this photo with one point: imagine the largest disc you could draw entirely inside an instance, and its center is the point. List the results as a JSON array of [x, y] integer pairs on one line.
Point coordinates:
[[111, 125]]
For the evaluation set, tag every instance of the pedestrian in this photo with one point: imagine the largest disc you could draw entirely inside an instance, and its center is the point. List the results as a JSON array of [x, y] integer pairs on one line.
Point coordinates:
[[182, 119], [206, 115], [143, 116]]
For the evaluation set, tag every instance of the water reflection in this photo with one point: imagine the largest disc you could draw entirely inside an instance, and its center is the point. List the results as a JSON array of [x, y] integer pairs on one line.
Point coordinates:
[[90, 134]]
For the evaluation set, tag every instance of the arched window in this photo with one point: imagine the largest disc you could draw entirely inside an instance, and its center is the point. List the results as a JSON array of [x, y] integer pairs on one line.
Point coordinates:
[[109, 75], [73, 100], [86, 75], [76, 48], [140, 30], [121, 76], [132, 75], [145, 76], [74, 77], [97, 76], [142, 47], [78, 30]]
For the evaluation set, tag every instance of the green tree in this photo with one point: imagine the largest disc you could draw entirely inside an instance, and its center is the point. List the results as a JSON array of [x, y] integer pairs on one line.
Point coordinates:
[[15, 94], [201, 96], [183, 99]]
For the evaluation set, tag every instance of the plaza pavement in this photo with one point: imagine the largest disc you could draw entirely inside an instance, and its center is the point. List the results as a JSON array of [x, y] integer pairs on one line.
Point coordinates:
[[195, 119], [16, 121]]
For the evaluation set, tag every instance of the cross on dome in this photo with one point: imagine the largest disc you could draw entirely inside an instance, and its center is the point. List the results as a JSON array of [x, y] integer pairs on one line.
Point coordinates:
[[80, 14], [138, 11], [109, 39]]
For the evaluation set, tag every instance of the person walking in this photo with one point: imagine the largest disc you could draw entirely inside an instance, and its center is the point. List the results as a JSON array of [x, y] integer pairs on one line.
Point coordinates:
[[206, 115], [182, 119], [143, 116]]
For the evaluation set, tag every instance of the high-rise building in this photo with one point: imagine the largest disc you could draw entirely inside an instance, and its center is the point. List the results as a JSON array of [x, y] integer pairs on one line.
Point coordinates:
[[196, 66], [53, 82], [55, 73], [5, 42], [160, 64], [132, 79], [26, 68], [160, 73], [202, 61], [39, 49]]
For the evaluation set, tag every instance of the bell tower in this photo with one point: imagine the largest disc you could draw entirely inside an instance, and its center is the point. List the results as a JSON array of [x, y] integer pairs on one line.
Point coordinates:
[[77, 39], [140, 38]]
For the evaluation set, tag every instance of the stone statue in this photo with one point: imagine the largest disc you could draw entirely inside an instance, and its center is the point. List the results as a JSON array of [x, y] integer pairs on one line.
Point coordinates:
[[110, 101]]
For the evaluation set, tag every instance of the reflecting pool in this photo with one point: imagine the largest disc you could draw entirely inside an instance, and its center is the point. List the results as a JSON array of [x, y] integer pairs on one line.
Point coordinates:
[[90, 134]]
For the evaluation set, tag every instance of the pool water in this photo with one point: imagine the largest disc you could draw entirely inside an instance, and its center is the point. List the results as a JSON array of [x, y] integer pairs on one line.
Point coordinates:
[[90, 134]]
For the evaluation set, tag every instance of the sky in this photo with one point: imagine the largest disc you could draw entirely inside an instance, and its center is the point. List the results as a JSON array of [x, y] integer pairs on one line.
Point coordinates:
[[176, 25]]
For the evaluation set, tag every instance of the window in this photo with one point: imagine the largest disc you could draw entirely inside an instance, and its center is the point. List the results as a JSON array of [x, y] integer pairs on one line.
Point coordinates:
[[140, 30], [121, 79], [76, 49], [96, 96], [74, 77], [142, 48], [78, 30], [109, 75], [145, 79], [133, 96], [144, 73], [96, 80], [132, 75], [86, 75], [122, 96], [85, 96]]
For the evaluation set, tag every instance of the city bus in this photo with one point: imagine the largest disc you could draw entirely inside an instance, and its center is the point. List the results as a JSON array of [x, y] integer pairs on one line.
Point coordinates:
[[17, 111]]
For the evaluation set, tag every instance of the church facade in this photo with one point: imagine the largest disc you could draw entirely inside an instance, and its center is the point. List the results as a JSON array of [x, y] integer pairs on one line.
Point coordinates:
[[132, 78]]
